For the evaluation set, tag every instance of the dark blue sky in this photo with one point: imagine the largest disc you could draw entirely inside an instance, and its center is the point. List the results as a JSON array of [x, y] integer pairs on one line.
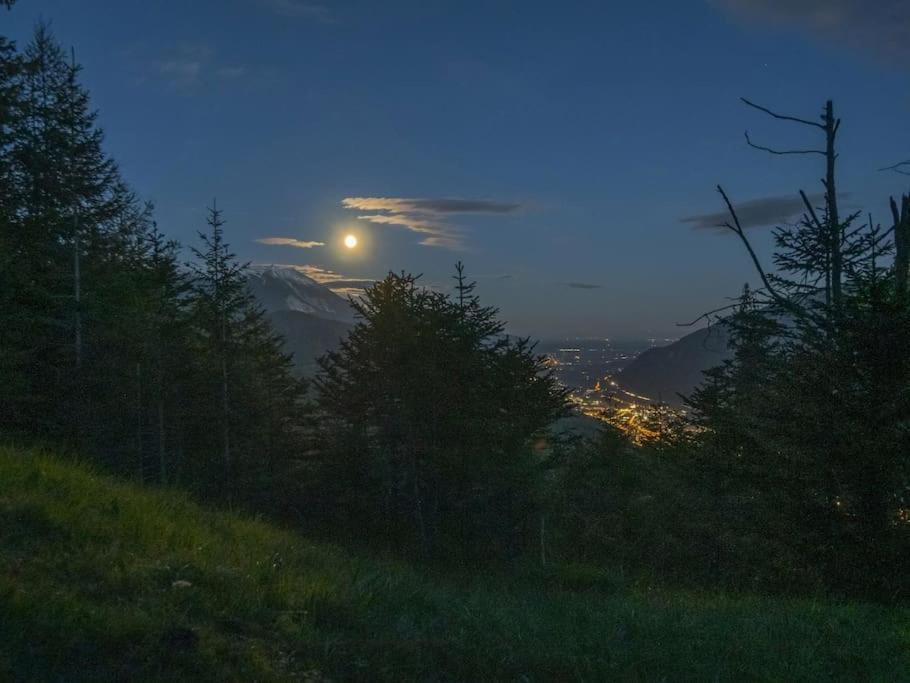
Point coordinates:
[[581, 132]]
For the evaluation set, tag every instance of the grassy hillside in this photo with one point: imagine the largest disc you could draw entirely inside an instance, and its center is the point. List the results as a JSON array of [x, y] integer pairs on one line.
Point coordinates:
[[102, 581]]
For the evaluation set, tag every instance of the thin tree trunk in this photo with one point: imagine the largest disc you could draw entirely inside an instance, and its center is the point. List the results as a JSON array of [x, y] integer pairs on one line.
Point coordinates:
[[901, 243], [77, 391], [418, 509], [543, 540], [140, 471], [834, 226], [77, 296], [162, 462], [225, 429]]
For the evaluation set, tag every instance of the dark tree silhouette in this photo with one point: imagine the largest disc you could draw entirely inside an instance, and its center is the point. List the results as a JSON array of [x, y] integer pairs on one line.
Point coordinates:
[[431, 413]]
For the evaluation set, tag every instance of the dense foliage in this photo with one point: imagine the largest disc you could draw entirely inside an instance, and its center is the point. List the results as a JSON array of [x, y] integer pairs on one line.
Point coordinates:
[[426, 420], [109, 344], [793, 470], [431, 416]]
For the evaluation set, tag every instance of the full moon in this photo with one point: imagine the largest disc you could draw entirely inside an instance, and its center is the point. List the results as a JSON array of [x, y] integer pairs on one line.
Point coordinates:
[[350, 241]]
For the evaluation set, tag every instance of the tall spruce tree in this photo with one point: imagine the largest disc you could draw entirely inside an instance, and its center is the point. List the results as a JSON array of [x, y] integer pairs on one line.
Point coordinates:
[[14, 344], [104, 344], [429, 415], [245, 399], [220, 299], [64, 205]]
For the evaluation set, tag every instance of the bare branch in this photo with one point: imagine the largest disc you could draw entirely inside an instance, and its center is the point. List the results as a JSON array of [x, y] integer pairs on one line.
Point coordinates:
[[897, 168], [738, 229], [786, 151], [810, 209], [707, 315], [781, 116]]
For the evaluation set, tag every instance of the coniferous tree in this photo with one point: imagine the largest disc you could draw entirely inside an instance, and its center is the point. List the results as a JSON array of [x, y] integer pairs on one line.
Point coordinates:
[[62, 206], [162, 326], [429, 416], [244, 386], [104, 344], [14, 346], [805, 423]]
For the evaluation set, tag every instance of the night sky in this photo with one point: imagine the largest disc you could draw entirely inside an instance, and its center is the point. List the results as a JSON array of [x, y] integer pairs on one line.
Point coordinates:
[[556, 148]]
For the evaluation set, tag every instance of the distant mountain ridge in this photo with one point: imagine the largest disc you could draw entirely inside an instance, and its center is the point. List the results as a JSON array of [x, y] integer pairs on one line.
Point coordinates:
[[664, 372], [313, 320], [311, 317]]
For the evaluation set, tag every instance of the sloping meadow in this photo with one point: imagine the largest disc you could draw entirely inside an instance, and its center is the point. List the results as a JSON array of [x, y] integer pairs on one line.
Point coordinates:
[[101, 580]]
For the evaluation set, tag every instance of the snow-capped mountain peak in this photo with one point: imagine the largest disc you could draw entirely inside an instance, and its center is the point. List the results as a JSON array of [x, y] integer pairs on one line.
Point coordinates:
[[286, 288]]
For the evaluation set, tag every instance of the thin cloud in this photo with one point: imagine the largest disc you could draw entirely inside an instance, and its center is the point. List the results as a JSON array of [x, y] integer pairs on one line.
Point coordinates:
[[326, 276], [351, 284], [430, 206], [436, 234], [184, 66], [452, 242], [232, 72], [404, 220], [289, 242], [180, 71], [755, 213], [429, 217], [320, 274], [343, 285], [189, 66], [875, 27], [299, 9], [582, 285], [348, 292]]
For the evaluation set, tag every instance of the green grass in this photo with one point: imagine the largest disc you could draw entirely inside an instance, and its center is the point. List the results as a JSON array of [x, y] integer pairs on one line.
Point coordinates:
[[102, 581]]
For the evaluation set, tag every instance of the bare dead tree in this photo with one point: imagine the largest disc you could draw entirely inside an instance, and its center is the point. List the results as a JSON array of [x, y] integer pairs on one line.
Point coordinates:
[[830, 126], [901, 230]]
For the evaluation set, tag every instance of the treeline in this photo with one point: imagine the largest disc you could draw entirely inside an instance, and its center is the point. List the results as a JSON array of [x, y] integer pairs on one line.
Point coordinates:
[[428, 431], [109, 343], [792, 471], [420, 434]]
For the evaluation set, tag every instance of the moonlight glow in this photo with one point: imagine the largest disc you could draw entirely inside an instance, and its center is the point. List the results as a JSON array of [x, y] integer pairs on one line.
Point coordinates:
[[350, 241]]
